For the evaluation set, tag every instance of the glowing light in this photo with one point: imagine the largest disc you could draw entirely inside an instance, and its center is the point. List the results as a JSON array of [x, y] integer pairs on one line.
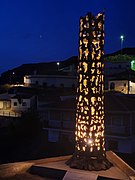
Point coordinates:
[[90, 112], [90, 97], [122, 37], [90, 141]]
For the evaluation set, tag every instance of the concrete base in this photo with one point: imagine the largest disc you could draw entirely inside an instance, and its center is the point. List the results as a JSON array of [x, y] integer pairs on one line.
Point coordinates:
[[61, 170], [56, 168]]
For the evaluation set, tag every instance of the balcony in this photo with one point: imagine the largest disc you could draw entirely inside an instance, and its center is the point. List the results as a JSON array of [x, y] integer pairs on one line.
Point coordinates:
[[9, 113], [54, 123], [117, 130]]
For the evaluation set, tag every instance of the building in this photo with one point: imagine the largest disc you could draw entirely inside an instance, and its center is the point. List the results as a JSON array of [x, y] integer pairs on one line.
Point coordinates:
[[23, 102], [50, 81], [116, 67], [119, 121], [123, 82], [60, 120], [123, 86], [12, 105]]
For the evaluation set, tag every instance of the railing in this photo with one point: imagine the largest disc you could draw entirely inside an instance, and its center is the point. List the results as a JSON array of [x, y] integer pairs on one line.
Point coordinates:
[[119, 130], [68, 125], [9, 113], [54, 123], [61, 124]]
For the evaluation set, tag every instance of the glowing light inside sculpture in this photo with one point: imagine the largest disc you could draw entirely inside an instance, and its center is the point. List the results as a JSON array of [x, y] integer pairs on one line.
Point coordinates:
[[89, 133]]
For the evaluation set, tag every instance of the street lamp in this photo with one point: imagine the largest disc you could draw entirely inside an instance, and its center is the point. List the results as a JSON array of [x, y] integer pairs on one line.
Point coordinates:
[[10, 78], [121, 41], [58, 65]]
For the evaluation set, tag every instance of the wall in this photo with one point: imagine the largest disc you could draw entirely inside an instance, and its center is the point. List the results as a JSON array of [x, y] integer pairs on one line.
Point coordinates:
[[132, 87], [21, 106], [120, 85], [44, 80], [116, 67], [5, 104]]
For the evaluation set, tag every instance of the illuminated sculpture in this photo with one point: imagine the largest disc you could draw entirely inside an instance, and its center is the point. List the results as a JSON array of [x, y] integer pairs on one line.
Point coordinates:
[[89, 136]]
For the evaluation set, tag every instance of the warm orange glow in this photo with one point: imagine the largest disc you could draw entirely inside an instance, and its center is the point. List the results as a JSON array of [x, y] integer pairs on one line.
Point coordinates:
[[90, 100]]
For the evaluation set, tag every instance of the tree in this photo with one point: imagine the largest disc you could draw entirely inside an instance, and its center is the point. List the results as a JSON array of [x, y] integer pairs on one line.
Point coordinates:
[[27, 125], [119, 58]]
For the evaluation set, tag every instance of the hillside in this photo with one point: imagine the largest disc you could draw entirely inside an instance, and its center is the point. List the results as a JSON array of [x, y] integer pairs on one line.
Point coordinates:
[[18, 73]]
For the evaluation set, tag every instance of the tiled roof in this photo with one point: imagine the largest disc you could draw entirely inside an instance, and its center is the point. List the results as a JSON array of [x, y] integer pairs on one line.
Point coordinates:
[[5, 96]]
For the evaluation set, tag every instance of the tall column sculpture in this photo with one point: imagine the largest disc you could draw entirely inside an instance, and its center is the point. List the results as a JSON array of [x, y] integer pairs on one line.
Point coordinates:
[[89, 135]]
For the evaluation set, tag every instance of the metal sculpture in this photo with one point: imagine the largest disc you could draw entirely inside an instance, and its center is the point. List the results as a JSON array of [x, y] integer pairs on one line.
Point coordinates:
[[89, 136]]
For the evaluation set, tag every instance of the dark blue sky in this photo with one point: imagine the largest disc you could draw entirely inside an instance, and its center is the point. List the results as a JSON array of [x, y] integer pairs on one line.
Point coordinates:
[[47, 30]]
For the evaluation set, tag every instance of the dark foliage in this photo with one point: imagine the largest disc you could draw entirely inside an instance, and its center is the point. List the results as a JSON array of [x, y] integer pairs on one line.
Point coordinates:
[[27, 125]]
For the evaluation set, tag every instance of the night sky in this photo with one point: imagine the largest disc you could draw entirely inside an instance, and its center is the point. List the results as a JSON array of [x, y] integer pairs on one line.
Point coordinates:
[[47, 30]]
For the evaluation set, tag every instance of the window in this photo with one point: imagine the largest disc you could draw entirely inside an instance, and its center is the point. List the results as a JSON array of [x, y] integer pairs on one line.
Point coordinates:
[[45, 84], [112, 86], [117, 121], [36, 83], [8, 105], [66, 116], [53, 136], [120, 66], [62, 85], [15, 103], [24, 104], [55, 115]]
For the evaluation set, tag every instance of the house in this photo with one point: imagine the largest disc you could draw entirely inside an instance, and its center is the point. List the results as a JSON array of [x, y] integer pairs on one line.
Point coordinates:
[[60, 120], [119, 121], [5, 106], [123, 86], [123, 82], [12, 104], [55, 74], [49, 81], [22, 102]]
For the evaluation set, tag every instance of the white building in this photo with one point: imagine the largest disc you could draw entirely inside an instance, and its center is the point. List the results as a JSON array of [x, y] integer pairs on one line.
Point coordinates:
[[123, 86], [50, 80], [22, 102], [14, 105]]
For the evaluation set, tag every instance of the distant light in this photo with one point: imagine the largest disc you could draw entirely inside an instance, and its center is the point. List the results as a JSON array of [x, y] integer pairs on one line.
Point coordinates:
[[133, 65], [122, 37], [58, 63]]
